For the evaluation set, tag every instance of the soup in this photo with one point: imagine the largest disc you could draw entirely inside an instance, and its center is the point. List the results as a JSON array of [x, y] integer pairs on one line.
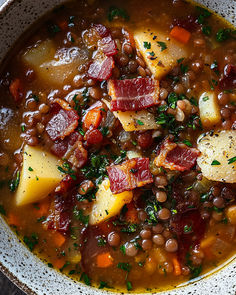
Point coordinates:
[[118, 142]]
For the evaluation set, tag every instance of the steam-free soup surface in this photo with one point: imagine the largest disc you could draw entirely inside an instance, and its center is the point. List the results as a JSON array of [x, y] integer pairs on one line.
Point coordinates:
[[118, 142]]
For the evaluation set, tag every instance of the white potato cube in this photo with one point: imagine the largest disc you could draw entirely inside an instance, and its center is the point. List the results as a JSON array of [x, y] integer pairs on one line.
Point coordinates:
[[218, 151], [209, 109]]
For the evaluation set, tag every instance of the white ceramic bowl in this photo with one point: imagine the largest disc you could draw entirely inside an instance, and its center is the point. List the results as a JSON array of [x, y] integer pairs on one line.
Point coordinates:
[[16, 261]]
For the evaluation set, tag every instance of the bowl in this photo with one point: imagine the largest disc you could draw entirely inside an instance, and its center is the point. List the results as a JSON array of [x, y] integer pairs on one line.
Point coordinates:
[[26, 270]]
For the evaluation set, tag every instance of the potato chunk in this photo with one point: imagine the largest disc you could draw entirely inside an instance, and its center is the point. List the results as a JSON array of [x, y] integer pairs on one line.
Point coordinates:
[[108, 205], [159, 50], [39, 175], [51, 66], [135, 120], [231, 214], [209, 109], [218, 151]]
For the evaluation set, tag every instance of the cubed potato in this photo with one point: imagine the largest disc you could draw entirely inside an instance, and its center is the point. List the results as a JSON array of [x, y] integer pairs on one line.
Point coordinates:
[[39, 175], [218, 151], [231, 214], [159, 59], [209, 109], [51, 66], [108, 205], [135, 120]]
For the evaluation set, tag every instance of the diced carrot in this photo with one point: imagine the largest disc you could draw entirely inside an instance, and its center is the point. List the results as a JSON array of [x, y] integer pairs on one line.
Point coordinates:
[[16, 90], [104, 260], [93, 118], [58, 239], [63, 25], [13, 220], [177, 268], [180, 34], [132, 214], [42, 208], [58, 263]]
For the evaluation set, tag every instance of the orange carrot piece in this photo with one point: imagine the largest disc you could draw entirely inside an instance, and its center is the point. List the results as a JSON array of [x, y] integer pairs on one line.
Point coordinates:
[[16, 90], [58, 239], [132, 214], [180, 34], [13, 220], [58, 263], [43, 208], [177, 268], [93, 118], [104, 260]]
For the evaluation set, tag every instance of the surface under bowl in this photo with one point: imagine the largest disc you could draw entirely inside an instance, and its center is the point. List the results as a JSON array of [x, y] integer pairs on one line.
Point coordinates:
[[16, 261]]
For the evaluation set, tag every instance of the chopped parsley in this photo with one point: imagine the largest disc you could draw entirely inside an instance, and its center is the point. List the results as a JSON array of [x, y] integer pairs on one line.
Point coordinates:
[[147, 45], [41, 219], [184, 68], [101, 241], [122, 249], [204, 14], [15, 182], [193, 101], [180, 60], [53, 29], [172, 100], [139, 122], [162, 45], [23, 128], [2, 210], [195, 271], [31, 241], [121, 157], [67, 170], [205, 98], [225, 34], [131, 228], [206, 30], [129, 286], [103, 285], [232, 160], [85, 279], [215, 163], [187, 229], [117, 12], [35, 97], [187, 142], [30, 169], [79, 215], [124, 266]]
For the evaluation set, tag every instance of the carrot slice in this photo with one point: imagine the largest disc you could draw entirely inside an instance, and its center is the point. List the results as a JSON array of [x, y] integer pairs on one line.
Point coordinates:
[[58, 239], [180, 34], [16, 90], [177, 268], [58, 263], [13, 220], [93, 118], [104, 260]]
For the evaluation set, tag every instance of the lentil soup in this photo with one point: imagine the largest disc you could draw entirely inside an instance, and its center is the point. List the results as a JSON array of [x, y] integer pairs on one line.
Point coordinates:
[[118, 142]]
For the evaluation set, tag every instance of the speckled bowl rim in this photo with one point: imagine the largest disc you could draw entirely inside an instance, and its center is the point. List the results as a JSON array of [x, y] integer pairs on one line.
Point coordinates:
[[19, 264]]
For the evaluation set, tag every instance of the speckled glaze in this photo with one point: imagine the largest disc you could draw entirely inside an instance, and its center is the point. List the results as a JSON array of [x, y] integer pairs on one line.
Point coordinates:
[[16, 261]]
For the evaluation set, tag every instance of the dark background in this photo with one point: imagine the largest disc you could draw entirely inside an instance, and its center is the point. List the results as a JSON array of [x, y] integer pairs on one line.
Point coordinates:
[[7, 287]]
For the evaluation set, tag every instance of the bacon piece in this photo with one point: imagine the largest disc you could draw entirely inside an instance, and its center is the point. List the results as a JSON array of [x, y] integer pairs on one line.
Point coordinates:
[[175, 156], [101, 68], [59, 218], [228, 81], [133, 94], [101, 30], [63, 122], [129, 175], [66, 183], [108, 46], [71, 149]]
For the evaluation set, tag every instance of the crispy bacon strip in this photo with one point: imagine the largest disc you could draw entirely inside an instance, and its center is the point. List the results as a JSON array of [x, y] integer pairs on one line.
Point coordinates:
[[133, 94], [101, 68], [63, 122], [175, 156], [129, 175], [59, 218], [71, 149]]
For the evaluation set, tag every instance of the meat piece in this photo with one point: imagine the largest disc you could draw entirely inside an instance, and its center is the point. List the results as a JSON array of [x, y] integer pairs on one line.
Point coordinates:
[[101, 68], [190, 23], [71, 149], [133, 94], [108, 46], [228, 81], [66, 183], [192, 220], [59, 218], [176, 156], [129, 175], [101, 30], [16, 90], [93, 136], [63, 122]]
